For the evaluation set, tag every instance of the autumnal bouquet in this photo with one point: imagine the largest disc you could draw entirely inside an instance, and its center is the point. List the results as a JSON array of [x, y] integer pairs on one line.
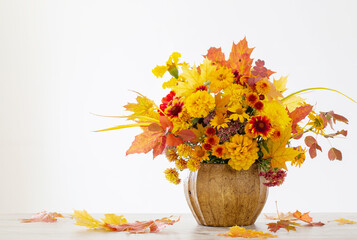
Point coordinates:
[[229, 112]]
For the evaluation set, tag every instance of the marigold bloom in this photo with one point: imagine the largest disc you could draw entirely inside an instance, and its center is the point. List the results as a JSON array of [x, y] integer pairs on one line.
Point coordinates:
[[183, 121], [193, 164], [200, 104], [210, 131], [184, 150], [171, 154], [172, 176], [242, 152], [219, 151], [219, 121], [277, 114], [263, 86], [222, 78], [181, 164], [251, 98], [259, 126]]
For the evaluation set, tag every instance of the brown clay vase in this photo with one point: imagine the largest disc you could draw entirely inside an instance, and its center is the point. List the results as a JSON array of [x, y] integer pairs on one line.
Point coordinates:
[[220, 196]]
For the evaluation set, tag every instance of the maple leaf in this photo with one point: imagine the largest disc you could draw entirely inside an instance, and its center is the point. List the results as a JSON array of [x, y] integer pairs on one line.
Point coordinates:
[[221, 103], [293, 102], [299, 114], [83, 218], [314, 224], [237, 231], [277, 151], [334, 154], [343, 221], [143, 107], [215, 55], [273, 93], [43, 216], [312, 144], [281, 84], [303, 217], [286, 224], [114, 219], [191, 81], [239, 58]]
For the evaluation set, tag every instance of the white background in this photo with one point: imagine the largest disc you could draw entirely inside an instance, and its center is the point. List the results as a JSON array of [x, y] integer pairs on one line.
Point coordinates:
[[60, 61]]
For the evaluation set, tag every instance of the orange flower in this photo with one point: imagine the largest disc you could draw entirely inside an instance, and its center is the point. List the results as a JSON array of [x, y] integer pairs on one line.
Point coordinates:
[[181, 164], [210, 131], [174, 108], [219, 151], [212, 140], [193, 164], [259, 126], [252, 98], [200, 153], [259, 105], [172, 175], [263, 86], [207, 146]]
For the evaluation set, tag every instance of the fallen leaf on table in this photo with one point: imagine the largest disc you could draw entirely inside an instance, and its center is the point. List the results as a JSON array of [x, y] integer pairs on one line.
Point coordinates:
[[242, 232], [342, 221], [281, 216], [286, 224], [113, 222], [303, 217], [314, 224], [42, 217]]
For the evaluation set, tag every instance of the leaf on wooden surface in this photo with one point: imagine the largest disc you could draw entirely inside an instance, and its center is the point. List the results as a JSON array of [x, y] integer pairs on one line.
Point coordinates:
[[236, 231], [334, 154], [286, 224], [303, 217], [43, 216], [83, 218], [343, 221]]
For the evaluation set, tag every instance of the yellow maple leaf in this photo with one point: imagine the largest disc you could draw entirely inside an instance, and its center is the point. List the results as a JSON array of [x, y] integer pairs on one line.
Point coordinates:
[[207, 70], [83, 218], [281, 84], [191, 81], [342, 221], [236, 231], [114, 219], [143, 107], [278, 152], [293, 102]]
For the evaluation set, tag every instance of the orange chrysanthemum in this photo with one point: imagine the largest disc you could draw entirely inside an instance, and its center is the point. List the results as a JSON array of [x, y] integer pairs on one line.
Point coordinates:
[[219, 151], [263, 86], [200, 153], [171, 154], [181, 164], [212, 140], [252, 98], [210, 131], [259, 126]]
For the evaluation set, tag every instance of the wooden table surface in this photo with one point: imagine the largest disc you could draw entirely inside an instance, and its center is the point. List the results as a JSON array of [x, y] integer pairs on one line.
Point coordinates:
[[186, 229]]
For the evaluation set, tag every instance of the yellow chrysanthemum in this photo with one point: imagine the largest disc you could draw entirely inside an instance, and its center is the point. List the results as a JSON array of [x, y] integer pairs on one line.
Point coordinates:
[[277, 114], [223, 77], [184, 150], [171, 154], [242, 152], [183, 121], [200, 153], [235, 93], [263, 86], [193, 164], [181, 164], [219, 121], [172, 175], [200, 104]]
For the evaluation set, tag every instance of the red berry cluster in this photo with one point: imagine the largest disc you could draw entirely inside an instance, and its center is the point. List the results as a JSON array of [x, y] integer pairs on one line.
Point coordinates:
[[273, 177]]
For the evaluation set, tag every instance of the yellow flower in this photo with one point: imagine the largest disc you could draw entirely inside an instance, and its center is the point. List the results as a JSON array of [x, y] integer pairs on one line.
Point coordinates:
[[171, 154], [181, 164], [235, 93], [222, 78], [193, 164], [300, 158], [184, 150], [263, 86], [317, 123], [242, 152], [200, 153], [277, 114], [172, 175], [183, 121], [200, 104], [239, 114], [171, 66], [219, 121]]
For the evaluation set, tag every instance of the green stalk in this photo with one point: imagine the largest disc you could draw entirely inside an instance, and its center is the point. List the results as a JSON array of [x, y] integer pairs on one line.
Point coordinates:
[[316, 88]]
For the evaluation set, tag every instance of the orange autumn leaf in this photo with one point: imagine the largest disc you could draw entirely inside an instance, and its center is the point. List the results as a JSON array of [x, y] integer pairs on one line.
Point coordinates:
[[215, 55], [334, 154], [43, 217], [242, 232], [303, 217], [299, 114], [286, 224], [343, 221], [239, 58]]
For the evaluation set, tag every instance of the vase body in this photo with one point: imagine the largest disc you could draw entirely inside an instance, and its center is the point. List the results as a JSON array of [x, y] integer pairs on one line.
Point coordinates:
[[220, 196]]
